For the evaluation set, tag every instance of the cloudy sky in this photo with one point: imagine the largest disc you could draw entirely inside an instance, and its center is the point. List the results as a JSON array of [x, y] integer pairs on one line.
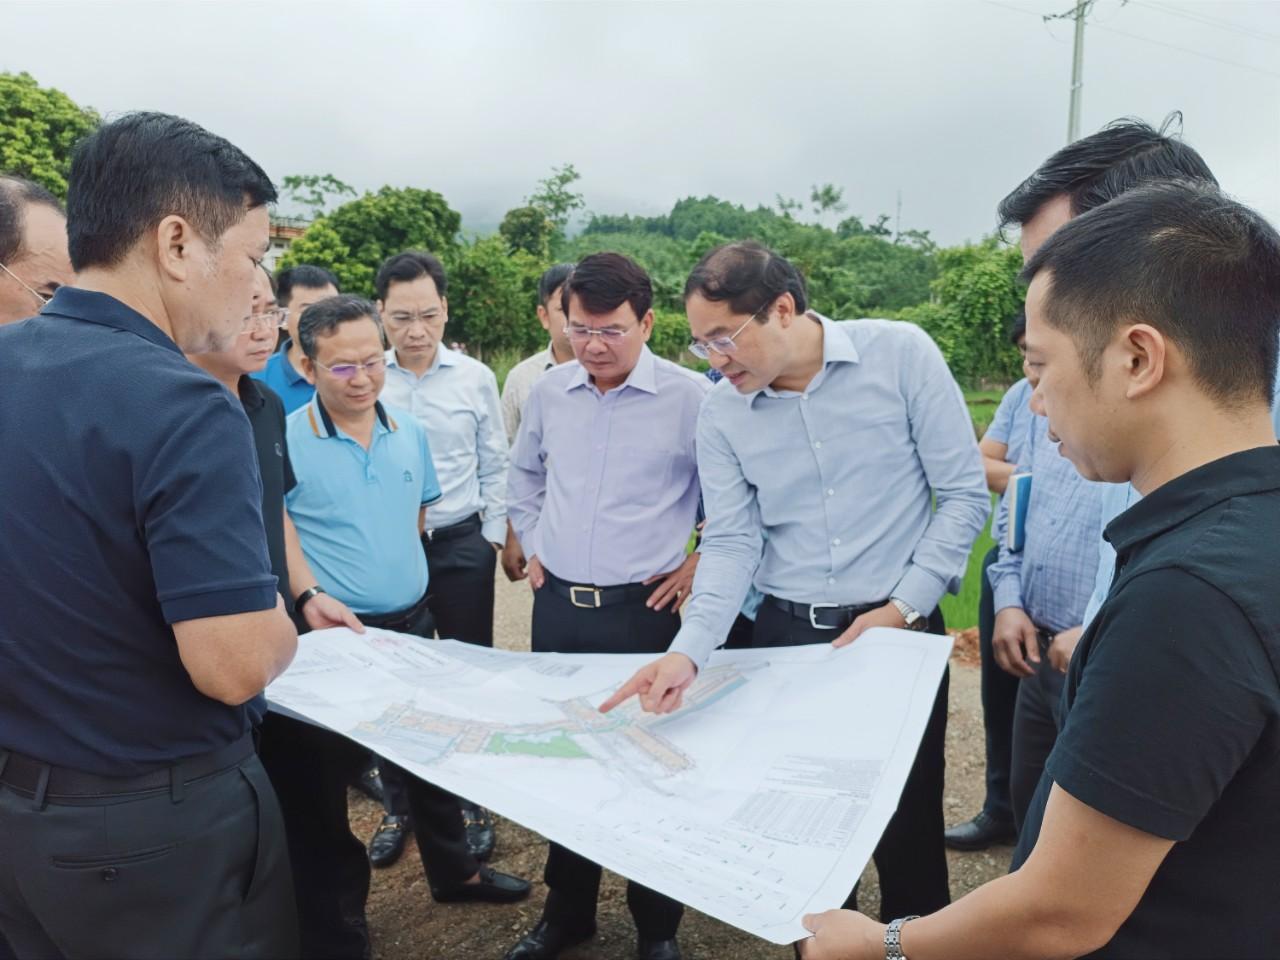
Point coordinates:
[[947, 104]]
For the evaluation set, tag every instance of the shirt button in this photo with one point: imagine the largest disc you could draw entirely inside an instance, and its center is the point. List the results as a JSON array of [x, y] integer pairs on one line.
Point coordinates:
[[831, 493], [831, 580], [817, 444], [804, 396], [835, 542], [110, 873]]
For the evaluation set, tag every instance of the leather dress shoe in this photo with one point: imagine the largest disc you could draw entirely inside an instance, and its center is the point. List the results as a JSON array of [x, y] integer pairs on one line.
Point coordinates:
[[388, 840], [370, 784], [547, 941], [979, 833], [480, 834], [494, 887], [658, 950]]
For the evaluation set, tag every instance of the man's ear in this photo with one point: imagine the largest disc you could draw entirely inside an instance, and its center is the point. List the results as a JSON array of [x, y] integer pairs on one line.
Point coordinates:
[[444, 308], [646, 325], [1146, 358], [176, 244], [785, 305], [309, 369]]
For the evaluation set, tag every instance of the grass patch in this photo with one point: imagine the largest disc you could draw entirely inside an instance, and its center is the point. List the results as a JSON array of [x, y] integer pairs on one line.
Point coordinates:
[[961, 610]]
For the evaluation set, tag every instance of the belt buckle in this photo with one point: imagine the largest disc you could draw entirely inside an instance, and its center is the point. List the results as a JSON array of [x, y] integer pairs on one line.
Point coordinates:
[[595, 597], [431, 534], [813, 622]]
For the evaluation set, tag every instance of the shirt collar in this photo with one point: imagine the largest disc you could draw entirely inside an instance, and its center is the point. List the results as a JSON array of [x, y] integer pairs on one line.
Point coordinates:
[[643, 376], [107, 311], [322, 424], [291, 373], [836, 348], [251, 396], [444, 358], [1236, 475], [548, 357]]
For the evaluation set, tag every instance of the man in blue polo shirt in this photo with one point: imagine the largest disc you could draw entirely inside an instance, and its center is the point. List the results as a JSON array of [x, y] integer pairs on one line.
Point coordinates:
[[296, 289], [138, 611], [364, 482]]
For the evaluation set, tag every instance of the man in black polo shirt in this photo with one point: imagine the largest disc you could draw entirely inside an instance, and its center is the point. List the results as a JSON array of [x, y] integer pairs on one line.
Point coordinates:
[[1152, 322], [138, 612]]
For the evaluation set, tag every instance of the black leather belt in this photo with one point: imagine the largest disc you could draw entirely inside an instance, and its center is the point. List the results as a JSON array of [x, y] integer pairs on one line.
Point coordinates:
[[398, 620], [29, 775], [823, 616], [591, 597], [454, 530]]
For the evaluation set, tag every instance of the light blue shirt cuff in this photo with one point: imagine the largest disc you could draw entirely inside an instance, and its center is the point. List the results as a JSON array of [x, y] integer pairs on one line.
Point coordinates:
[[1007, 593], [495, 528], [695, 643], [919, 589]]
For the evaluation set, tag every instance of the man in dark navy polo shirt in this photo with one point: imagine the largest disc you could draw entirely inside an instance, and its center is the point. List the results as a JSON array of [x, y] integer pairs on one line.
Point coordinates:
[[138, 611], [1152, 322]]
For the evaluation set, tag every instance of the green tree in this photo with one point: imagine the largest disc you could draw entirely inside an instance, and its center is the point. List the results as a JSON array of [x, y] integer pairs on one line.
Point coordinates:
[[827, 197], [38, 128], [354, 239], [555, 198], [528, 229], [314, 190], [493, 298]]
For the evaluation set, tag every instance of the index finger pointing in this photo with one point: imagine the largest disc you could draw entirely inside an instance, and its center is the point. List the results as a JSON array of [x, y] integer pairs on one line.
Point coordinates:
[[624, 692]]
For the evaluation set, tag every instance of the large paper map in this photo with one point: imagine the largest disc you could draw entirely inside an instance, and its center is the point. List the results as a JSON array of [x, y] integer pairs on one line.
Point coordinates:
[[757, 802]]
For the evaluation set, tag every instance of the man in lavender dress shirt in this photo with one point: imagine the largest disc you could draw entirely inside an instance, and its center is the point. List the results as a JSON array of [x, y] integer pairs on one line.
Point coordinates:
[[603, 496]]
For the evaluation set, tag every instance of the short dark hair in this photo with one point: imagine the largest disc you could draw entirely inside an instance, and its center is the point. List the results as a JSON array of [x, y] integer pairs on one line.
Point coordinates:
[[1201, 268], [16, 193], [552, 280], [605, 281], [407, 267], [303, 275], [748, 276], [1018, 327], [1124, 154], [325, 316], [131, 173]]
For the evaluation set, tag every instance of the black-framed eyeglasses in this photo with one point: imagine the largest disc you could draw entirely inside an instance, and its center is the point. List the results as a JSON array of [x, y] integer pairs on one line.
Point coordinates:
[[725, 346], [40, 297], [347, 371]]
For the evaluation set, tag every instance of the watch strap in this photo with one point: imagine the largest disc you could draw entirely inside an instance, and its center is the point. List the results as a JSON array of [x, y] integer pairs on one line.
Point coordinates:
[[893, 938], [305, 596]]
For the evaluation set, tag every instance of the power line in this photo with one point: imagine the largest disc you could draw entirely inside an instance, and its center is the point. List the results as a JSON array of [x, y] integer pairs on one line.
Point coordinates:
[[1189, 50], [1208, 21]]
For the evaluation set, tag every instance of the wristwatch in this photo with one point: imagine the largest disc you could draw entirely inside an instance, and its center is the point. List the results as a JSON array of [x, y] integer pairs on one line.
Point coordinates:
[[914, 619], [893, 936], [305, 596]]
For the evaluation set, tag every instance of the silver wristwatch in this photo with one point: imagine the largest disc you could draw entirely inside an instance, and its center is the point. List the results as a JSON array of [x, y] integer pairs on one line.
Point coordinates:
[[893, 937], [914, 619]]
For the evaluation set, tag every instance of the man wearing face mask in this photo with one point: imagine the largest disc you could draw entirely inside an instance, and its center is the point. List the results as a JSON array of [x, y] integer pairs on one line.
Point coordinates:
[[822, 456], [138, 610]]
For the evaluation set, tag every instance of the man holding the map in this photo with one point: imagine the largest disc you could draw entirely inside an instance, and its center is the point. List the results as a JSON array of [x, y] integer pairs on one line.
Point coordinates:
[[821, 459], [603, 496]]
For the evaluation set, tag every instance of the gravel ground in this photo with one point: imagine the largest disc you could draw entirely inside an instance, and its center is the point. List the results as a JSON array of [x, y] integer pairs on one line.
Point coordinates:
[[405, 923]]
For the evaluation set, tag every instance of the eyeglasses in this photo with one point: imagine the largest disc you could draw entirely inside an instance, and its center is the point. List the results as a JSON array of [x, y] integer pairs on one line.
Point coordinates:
[[347, 371], [725, 346], [266, 320], [403, 318], [580, 333], [43, 300]]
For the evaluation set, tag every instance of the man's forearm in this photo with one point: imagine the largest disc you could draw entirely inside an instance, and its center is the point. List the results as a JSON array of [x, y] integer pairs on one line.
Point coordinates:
[[300, 576]]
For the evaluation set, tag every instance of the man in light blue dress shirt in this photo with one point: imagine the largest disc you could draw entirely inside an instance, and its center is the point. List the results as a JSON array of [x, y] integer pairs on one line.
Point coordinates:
[[821, 455], [603, 496]]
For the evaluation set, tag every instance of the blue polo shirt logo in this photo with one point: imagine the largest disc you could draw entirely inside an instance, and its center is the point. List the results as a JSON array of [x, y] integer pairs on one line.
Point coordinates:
[[408, 476]]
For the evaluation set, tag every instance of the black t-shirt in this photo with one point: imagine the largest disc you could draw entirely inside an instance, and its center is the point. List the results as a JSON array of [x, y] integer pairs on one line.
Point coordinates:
[[129, 501], [1171, 711], [265, 411]]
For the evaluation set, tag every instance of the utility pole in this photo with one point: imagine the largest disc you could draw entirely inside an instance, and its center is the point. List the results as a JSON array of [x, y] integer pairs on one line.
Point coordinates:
[[1077, 73]]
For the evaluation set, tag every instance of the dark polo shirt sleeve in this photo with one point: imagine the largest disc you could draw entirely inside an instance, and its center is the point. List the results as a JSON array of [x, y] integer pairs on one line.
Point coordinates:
[[1172, 705], [199, 503]]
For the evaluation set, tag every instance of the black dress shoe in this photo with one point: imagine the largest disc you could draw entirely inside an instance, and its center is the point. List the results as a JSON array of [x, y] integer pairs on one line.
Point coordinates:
[[547, 941], [480, 833], [370, 783], [494, 887], [979, 833], [388, 840], [658, 950]]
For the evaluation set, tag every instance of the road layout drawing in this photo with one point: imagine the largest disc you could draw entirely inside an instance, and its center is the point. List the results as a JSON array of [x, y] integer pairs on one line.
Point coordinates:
[[760, 800]]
